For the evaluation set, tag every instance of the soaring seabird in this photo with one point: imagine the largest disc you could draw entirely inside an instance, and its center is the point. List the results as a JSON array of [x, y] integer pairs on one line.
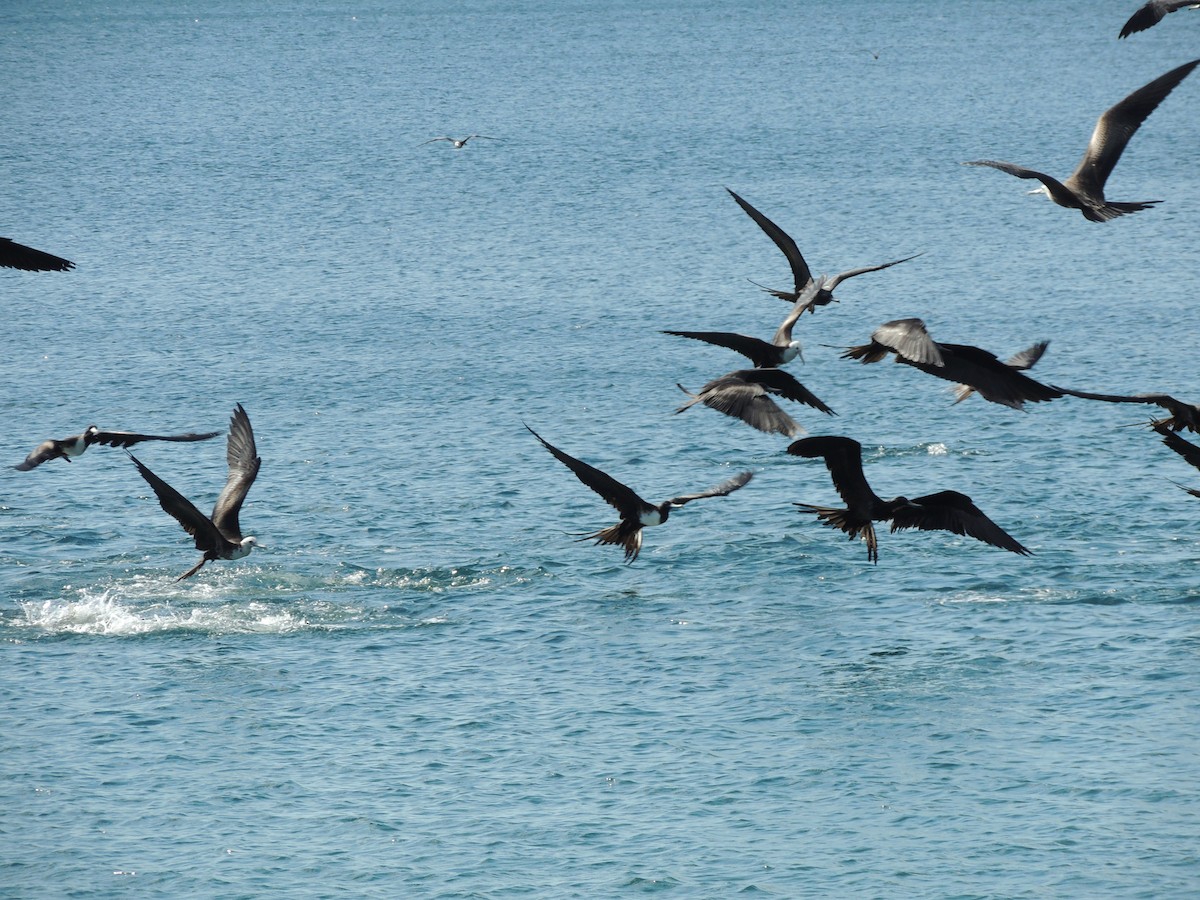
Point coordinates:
[[220, 537], [73, 446], [781, 348], [18, 256], [1183, 415], [1022, 362], [943, 511], [1189, 451], [1084, 188], [1152, 13], [967, 365], [744, 394], [802, 278], [459, 143], [636, 513]]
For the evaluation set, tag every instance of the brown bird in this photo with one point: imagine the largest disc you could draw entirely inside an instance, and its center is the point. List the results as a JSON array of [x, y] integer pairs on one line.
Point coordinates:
[[636, 513], [943, 511], [822, 288], [220, 537], [962, 363], [1152, 13], [18, 256], [68, 448], [744, 395], [1084, 188]]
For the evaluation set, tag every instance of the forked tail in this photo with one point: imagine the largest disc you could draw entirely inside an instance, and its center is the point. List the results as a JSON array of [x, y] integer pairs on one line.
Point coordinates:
[[621, 533], [1112, 209], [841, 519]]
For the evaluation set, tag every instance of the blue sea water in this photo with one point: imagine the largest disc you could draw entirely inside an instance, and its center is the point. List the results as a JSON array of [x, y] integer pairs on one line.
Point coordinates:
[[420, 685]]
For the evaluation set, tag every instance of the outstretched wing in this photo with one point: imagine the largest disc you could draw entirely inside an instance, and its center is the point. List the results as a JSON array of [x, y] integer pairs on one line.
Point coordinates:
[[757, 351], [620, 497], [194, 522], [721, 490], [42, 452], [129, 438], [1055, 187], [843, 459], [1117, 125], [801, 275], [18, 256], [954, 512], [838, 279], [1186, 449], [785, 385], [242, 459], [1152, 13], [909, 339], [1183, 415]]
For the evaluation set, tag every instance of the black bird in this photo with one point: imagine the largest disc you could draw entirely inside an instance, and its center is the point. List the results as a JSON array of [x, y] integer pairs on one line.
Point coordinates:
[[18, 256], [802, 278], [1152, 13], [781, 348], [1084, 188], [636, 513], [459, 143], [68, 448], [943, 511], [744, 394], [220, 537], [970, 366], [1022, 362], [1184, 416]]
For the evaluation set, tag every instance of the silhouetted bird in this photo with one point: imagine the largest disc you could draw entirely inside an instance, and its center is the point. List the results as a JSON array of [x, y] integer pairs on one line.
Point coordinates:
[[943, 511], [1152, 13], [68, 448], [220, 537], [744, 394], [636, 513], [1022, 362], [1183, 415], [459, 143], [1186, 449], [18, 256], [970, 366], [1084, 188], [802, 278]]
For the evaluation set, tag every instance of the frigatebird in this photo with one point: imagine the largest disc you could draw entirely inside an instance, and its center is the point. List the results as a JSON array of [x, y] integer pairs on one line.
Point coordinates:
[[1149, 14], [68, 448], [18, 256], [745, 394]]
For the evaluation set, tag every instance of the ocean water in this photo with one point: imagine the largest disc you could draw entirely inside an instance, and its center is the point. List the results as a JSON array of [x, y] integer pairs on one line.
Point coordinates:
[[420, 685]]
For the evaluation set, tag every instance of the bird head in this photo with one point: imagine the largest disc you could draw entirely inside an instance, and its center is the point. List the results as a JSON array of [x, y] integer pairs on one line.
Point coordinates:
[[799, 354]]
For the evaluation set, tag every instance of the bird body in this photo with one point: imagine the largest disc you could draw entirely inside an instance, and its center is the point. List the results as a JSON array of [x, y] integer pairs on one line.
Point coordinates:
[[219, 536], [1084, 188], [71, 447], [1153, 12], [745, 394], [941, 511], [969, 366], [636, 513], [18, 256]]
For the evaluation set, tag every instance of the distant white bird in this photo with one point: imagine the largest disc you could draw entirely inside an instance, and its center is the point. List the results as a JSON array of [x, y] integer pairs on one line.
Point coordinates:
[[1152, 13], [458, 143], [1084, 188]]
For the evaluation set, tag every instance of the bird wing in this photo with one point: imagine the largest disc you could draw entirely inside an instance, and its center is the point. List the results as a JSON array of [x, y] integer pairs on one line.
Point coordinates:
[[129, 438], [1116, 126], [723, 489], [1028, 357], [785, 385], [909, 339], [42, 452], [952, 511], [1152, 13], [843, 459], [801, 275], [199, 526], [757, 351], [622, 498], [434, 140], [1186, 449], [994, 380], [744, 399], [242, 459], [18, 256], [838, 279], [1056, 188]]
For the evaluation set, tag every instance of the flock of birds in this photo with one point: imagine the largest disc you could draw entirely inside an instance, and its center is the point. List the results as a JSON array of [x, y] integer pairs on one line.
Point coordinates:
[[747, 394]]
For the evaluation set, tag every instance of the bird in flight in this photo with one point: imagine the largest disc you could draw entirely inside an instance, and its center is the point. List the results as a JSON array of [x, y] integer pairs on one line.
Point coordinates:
[[745, 394], [458, 143], [1083, 189], [969, 366], [219, 537], [18, 256], [943, 511], [1022, 362], [816, 291], [1183, 415], [1152, 13], [636, 513], [68, 448]]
